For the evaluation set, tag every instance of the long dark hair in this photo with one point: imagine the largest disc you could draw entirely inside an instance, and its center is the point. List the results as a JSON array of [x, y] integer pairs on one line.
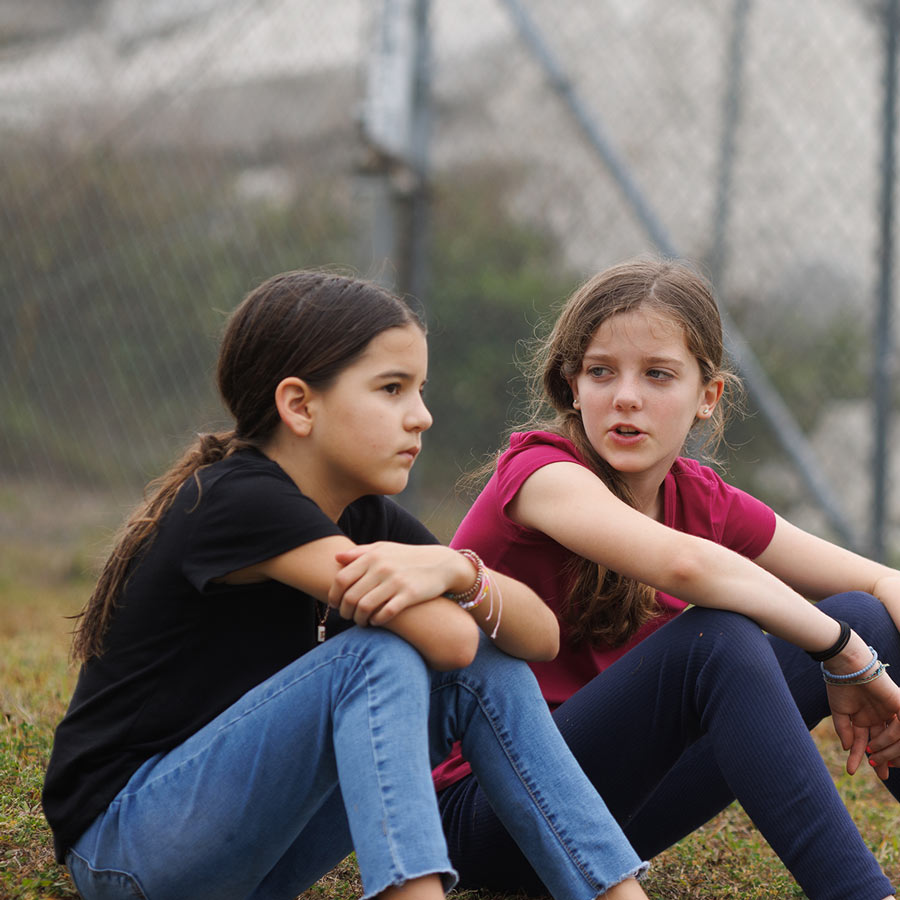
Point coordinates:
[[603, 606], [307, 324]]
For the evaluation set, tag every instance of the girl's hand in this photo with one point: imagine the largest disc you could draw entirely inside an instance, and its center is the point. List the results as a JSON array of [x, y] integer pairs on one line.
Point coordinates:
[[378, 581], [884, 747], [859, 709]]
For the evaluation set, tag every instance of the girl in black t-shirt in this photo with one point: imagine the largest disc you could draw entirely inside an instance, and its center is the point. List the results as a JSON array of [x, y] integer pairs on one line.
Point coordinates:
[[217, 745]]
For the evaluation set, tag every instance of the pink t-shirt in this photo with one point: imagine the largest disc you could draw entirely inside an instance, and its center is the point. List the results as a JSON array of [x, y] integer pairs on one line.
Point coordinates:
[[696, 501]]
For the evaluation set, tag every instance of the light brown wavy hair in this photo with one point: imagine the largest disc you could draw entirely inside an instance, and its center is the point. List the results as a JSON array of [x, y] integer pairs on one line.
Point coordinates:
[[307, 324], [603, 606]]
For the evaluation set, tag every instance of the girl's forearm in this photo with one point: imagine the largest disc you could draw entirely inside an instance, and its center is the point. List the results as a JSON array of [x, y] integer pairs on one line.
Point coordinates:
[[444, 634], [738, 584], [741, 586], [572, 506]]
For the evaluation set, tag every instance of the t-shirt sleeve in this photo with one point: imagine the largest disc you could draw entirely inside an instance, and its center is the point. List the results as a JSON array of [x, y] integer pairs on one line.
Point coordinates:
[[709, 507], [245, 518], [528, 453]]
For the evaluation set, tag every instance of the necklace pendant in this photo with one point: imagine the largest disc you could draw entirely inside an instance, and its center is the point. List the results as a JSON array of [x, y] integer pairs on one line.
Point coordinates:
[[320, 633]]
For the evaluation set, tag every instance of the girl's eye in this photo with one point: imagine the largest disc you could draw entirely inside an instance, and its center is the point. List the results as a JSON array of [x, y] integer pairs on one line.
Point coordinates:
[[597, 371], [393, 388], [659, 374]]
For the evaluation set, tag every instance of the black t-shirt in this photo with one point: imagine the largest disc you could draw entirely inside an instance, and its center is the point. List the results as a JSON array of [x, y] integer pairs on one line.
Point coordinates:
[[181, 648]]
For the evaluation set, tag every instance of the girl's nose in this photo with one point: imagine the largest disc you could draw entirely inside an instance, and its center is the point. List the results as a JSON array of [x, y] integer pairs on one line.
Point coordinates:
[[627, 396], [419, 418]]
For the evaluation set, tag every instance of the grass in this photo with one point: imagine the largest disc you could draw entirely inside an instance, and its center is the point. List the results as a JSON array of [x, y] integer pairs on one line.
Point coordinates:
[[44, 577]]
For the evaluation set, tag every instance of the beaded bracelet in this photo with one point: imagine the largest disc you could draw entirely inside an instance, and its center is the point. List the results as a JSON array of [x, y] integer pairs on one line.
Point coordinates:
[[877, 673], [468, 596], [836, 647], [849, 679], [476, 601], [482, 588]]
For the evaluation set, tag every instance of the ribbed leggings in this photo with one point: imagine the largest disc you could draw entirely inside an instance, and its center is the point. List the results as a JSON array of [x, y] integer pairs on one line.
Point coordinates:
[[705, 710]]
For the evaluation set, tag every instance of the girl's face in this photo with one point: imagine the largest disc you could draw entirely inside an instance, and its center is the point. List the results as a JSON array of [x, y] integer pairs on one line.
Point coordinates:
[[367, 425], [640, 390]]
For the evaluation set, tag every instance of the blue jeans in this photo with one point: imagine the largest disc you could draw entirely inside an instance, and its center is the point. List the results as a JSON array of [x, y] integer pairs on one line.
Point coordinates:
[[705, 710], [333, 754]]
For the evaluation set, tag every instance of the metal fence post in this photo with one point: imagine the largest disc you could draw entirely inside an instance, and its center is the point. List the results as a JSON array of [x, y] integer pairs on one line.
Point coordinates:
[[395, 130], [731, 109], [396, 124], [882, 376]]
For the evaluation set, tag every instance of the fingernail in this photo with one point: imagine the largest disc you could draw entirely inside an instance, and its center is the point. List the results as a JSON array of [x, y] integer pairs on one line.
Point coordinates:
[[868, 749], [872, 762]]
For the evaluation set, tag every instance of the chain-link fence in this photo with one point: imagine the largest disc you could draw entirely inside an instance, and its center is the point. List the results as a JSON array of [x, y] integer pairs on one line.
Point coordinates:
[[159, 159]]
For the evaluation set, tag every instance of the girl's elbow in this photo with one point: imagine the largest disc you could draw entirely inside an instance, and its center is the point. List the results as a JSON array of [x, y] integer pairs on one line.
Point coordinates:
[[456, 648], [549, 639], [550, 648], [688, 570], [539, 644]]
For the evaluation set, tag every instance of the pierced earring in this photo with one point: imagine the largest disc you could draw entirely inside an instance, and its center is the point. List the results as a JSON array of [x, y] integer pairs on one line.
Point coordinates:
[[576, 404], [705, 411]]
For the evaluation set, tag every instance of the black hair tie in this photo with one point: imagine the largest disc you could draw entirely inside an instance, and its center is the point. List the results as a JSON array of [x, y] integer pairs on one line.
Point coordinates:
[[836, 647]]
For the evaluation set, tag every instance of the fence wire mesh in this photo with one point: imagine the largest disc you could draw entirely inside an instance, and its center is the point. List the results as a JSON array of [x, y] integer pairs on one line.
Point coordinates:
[[159, 159]]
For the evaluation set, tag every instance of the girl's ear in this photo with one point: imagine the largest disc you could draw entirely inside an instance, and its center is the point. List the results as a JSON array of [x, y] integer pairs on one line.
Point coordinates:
[[293, 399], [712, 393]]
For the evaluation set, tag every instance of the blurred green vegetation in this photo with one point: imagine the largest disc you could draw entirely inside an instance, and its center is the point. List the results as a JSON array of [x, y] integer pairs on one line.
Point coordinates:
[[123, 268], [492, 282], [118, 273], [121, 265]]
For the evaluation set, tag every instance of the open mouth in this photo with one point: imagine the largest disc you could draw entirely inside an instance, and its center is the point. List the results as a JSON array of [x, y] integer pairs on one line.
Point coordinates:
[[626, 431]]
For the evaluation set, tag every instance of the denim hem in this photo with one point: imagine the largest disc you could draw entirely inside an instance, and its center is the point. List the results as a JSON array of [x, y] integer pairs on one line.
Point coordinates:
[[639, 872], [449, 880]]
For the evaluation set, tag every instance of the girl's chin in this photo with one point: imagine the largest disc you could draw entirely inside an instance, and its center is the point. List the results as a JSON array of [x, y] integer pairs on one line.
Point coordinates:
[[621, 462], [395, 487]]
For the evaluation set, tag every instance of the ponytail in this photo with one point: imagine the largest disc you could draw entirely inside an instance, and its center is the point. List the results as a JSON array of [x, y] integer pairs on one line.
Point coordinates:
[[138, 532], [303, 324]]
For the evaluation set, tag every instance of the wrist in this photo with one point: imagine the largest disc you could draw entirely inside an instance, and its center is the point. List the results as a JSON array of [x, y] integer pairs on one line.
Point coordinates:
[[467, 585], [835, 648], [853, 657], [871, 671]]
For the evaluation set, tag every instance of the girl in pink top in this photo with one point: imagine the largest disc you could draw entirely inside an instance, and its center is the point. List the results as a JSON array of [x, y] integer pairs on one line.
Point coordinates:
[[674, 712]]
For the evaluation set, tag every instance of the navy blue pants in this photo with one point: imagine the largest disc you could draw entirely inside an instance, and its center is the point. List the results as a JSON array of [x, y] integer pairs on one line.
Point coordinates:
[[705, 710]]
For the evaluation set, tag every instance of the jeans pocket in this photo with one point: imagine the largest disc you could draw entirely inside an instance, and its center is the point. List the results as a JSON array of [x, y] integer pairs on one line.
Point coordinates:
[[102, 884]]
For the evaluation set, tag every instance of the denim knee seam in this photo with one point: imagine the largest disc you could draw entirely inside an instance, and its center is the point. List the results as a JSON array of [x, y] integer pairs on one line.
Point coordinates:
[[493, 717], [397, 876], [400, 867]]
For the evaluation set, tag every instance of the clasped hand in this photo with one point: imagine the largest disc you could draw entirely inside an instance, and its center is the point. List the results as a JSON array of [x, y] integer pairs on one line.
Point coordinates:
[[378, 581], [865, 716]]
